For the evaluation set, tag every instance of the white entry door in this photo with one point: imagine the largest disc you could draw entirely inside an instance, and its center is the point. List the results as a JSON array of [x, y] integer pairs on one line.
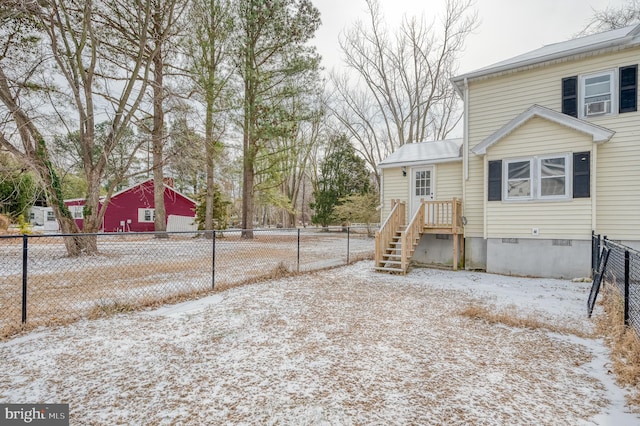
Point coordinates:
[[422, 186]]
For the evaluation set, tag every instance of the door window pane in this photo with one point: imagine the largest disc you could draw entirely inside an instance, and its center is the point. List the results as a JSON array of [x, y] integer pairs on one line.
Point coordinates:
[[422, 183]]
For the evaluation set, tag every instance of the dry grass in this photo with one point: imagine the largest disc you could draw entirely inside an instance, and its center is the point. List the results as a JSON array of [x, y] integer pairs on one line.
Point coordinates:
[[328, 347], [624, 343], [4, 222], [511, 318], [60, 291]]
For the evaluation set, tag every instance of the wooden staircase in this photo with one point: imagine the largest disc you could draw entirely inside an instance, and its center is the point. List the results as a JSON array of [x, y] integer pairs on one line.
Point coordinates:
[[396, 241], [392, 255]]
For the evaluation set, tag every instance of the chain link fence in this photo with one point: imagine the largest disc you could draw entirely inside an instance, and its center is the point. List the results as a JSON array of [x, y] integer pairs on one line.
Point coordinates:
[[619, 265], [40, 284]]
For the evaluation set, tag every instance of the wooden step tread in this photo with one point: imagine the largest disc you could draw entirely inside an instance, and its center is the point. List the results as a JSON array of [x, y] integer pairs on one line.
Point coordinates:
[[383, 269]]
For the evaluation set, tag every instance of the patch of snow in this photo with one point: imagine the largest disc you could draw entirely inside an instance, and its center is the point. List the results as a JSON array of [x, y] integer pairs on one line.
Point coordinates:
[[341, 346], [187, 308]]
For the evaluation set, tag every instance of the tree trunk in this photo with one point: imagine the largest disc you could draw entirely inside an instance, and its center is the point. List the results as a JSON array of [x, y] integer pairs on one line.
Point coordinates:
[[209, 146], [157, 137], [247, 197]]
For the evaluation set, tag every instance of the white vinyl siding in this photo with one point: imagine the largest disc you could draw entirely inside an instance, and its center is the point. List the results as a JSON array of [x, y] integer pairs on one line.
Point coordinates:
[[396, 186], [494, 101], [566, 220], [448, 181], [447, 178], [555, 218]]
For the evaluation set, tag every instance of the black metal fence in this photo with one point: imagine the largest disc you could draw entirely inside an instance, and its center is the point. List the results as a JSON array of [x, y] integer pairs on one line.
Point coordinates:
[[618, 265], [41, 284]]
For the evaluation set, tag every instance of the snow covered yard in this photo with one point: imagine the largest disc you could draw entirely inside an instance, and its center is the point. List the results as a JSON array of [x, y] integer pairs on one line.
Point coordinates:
[[343, 346]]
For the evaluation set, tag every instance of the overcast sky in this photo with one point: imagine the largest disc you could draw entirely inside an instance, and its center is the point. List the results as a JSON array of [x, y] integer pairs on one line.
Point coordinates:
[[507, 27]]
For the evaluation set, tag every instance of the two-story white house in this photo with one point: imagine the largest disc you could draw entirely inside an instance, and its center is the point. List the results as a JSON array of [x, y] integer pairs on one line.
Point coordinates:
[[550, 153]]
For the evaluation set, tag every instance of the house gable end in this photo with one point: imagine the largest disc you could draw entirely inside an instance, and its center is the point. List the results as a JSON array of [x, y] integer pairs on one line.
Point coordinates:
[[599, 134]]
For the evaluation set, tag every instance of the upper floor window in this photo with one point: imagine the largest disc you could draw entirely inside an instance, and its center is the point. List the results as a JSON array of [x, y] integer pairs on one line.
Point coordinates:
[[601, 93], [597, 94]]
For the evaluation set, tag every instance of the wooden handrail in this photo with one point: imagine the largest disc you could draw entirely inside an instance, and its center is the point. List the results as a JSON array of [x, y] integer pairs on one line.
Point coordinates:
[[444, 214], [436, 217], [384, 236], [410, 234]]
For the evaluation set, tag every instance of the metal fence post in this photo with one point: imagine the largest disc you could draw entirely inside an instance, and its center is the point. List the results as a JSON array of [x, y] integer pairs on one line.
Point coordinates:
[[348, 241], [213, 262], [298, 268], [626, 287], [593, 253], [25, 259]]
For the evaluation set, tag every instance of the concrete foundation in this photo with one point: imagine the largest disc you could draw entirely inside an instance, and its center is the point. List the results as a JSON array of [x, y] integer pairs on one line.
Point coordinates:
[[539, 257], [475, 254], [435, 249]]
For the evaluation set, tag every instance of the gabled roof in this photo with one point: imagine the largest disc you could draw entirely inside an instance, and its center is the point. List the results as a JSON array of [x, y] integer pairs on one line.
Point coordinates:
[[607, 41], [150, 180], [424, 153], [598, 133]]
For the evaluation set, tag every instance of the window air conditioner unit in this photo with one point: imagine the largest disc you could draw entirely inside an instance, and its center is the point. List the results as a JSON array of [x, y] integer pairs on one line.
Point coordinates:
[[597, 108]]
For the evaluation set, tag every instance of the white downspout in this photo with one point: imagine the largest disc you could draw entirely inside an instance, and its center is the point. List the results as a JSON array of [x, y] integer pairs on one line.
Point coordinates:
[[485, 198], [593, 187], [381, 205], [465, 130]]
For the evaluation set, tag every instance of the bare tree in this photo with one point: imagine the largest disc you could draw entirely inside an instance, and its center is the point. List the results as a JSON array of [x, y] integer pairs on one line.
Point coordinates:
[[612, 18], [85, 45], [397, 88], [163, 32]]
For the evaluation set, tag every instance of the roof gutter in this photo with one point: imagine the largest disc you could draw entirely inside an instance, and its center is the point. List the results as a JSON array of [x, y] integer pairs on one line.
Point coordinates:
[[419, 162], [626, 41]]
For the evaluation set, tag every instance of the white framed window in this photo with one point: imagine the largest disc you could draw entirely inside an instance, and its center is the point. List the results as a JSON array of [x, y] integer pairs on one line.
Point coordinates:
[[518, 174], [77, 212], [50, 216], [553, 177], [146, 215], [537, 178], [598, 94]]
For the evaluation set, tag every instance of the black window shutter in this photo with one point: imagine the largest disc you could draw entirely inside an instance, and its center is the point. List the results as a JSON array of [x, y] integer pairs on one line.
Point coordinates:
[[495, 180], [570, 96], [629, 88], [581, 174]]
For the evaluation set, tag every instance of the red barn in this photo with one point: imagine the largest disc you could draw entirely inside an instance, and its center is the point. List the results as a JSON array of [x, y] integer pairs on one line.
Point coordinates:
[[132, 209]]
